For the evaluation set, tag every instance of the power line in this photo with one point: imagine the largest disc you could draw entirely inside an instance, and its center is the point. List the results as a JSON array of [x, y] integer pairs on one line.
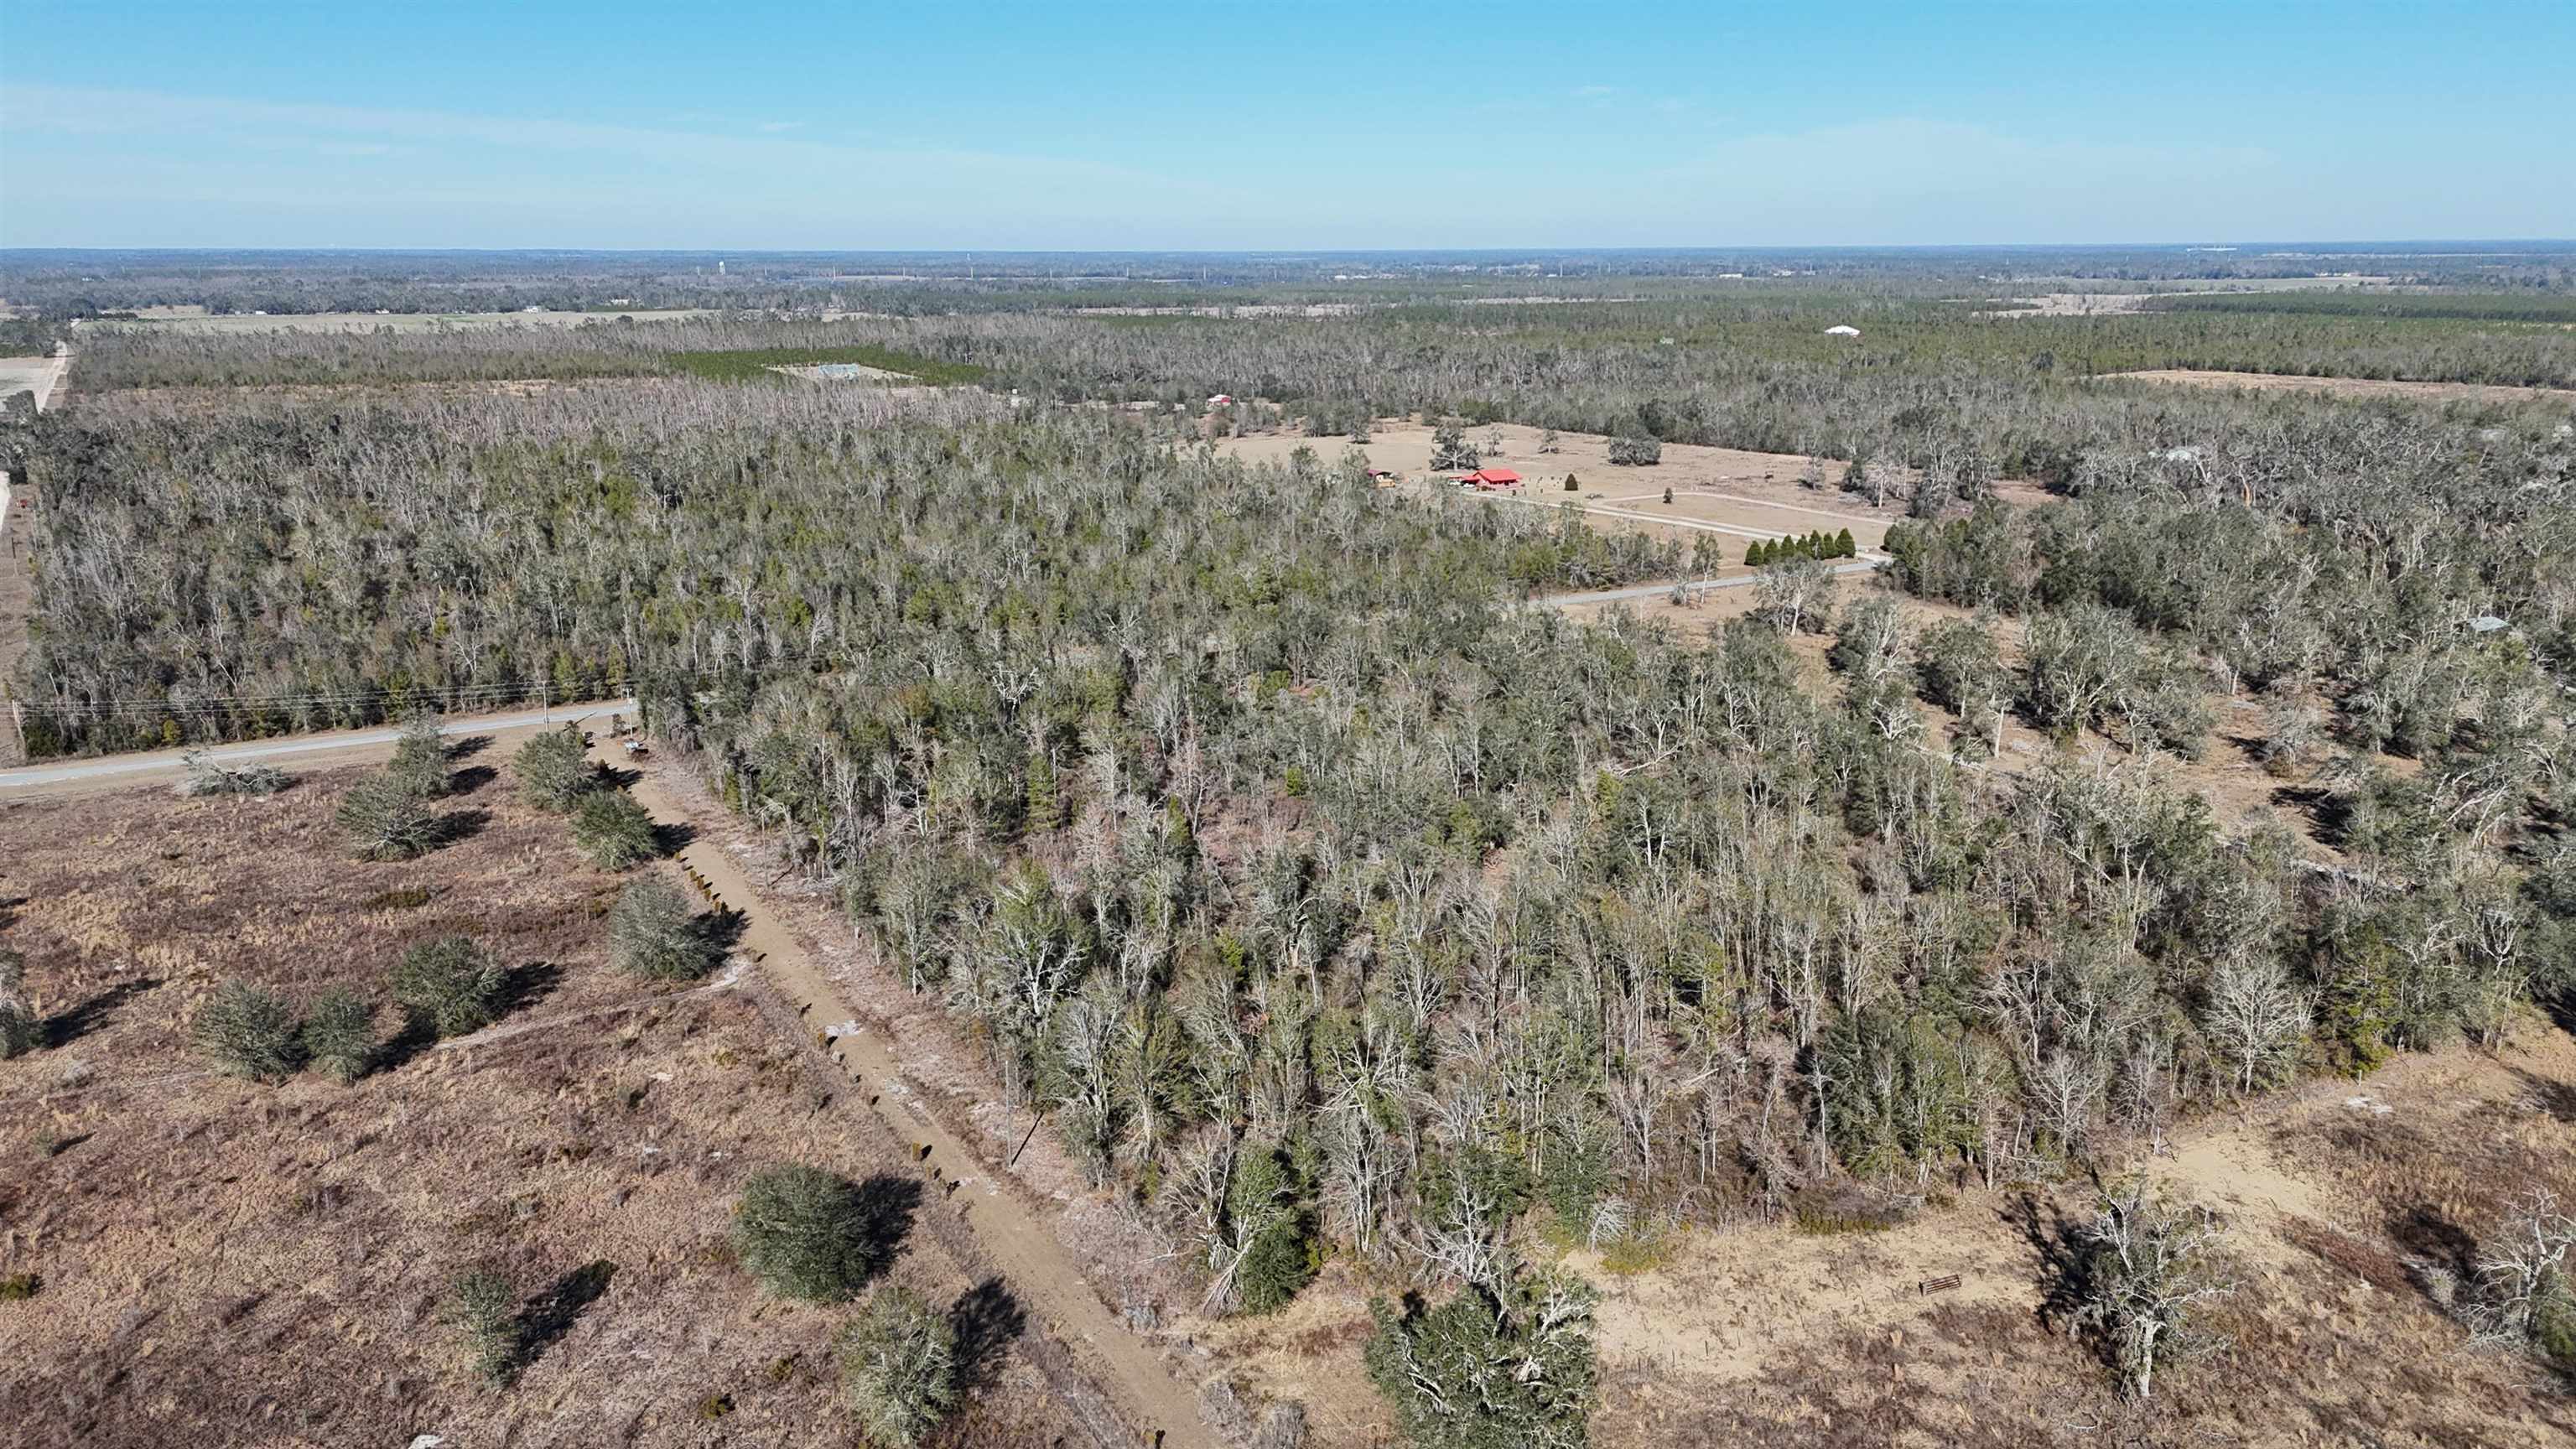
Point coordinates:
[[219, 704]]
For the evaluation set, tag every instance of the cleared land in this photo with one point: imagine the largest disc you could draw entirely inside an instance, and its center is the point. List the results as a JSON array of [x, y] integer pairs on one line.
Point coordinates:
[[1001, 1223], [2107, 304], [216, 1255], [1733, 495], [39, 375], [2362, 387]]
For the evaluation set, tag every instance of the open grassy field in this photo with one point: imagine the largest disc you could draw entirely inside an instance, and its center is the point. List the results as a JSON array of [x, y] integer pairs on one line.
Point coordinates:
[[225, 1262], [1728, 495]]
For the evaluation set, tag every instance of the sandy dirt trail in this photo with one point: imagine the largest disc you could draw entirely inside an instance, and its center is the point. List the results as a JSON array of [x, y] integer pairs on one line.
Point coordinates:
[[1014, 1235]]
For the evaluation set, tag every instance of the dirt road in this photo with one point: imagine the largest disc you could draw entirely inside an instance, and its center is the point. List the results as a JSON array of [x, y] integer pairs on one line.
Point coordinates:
[[1013, 1234]]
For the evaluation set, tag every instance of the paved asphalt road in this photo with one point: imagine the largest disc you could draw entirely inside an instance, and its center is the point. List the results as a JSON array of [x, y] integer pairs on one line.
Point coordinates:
[[170, 761]]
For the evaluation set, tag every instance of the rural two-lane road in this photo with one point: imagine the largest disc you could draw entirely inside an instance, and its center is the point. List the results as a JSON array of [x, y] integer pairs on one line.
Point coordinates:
[[326, 747]]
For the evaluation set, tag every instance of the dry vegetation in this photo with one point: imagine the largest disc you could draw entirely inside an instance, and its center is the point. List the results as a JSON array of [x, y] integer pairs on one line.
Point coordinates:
[[220, 1261], [2334, 1201], [2353, 387], [1155, 806]]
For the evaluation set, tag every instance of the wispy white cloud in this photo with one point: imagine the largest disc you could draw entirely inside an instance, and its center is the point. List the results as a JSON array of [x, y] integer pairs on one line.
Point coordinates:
[[773, 186]]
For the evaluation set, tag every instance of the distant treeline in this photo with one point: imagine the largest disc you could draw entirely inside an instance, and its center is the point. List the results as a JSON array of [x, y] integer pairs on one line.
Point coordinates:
[[1762, 351], [2476, 306]]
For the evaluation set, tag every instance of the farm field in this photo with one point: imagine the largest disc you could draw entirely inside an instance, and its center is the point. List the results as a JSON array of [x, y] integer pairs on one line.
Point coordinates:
[[589, 1145], [2350, 387], [1730, 494], [2118, 303]]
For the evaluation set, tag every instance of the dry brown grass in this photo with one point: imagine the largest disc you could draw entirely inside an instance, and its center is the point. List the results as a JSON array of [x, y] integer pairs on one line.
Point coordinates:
[[229, 1263], [1762, 1336]]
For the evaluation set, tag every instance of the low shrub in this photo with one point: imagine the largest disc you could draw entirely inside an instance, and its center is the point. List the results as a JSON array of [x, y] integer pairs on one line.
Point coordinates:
[[653, 934], [386, 821], [613, 829], [483, 1306], [1824, 1213], [419, 767], [205, 777], [804, 1233], [555, 770], [451, 983], [899, 1364], [20, 1031], [247, 1031], [19, 1287], [340, 1035]]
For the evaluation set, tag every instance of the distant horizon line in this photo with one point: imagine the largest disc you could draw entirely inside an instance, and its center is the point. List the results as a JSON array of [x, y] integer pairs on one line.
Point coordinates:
[[2496, 244]]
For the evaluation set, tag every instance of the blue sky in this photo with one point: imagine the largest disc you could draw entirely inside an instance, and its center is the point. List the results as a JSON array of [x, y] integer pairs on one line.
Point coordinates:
[[1167, 126]]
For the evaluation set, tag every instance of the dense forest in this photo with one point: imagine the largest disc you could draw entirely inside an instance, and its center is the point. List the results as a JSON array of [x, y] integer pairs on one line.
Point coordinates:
[[1741, 369], [1327, 897]]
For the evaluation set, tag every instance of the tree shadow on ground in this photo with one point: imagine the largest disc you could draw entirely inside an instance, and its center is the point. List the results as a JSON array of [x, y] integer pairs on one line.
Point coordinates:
[[670, 839], [2323, 811], [525, 985], [2428, 1235], [723, 927], [986, 1320], [550, 1316], [886, 1206], [415, 1037], [470, 779], [457, 826], [469, 746], [74, 1022], [2556, 1098], [2065, 1260]]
